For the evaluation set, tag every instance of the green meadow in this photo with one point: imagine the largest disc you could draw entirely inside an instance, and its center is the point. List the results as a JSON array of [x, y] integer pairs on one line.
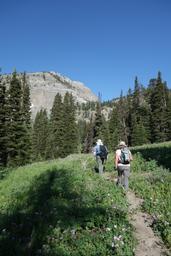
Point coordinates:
[[65, 208]]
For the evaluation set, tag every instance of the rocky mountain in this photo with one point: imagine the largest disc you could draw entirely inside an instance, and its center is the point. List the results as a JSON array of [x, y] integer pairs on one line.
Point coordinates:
[[45, 85]]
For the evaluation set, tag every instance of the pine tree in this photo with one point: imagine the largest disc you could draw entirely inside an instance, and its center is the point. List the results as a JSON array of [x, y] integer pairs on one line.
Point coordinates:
[[56, 136], [82, 132], [26, 113], [129, 114], [169, 116], [70, 139], [122, 114], [88, 144], [3, 125], [158, 103], [140, 116], [16, 129], [105, 132], [98, 122], [139, 136], [114, 132], [40, 135]]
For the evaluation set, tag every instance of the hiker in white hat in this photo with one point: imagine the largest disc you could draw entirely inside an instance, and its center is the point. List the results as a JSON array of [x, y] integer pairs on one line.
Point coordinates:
[[123, 157], [100, 152]]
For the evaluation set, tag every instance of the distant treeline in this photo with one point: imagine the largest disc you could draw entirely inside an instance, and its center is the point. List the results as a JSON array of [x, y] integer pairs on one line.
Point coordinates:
[[140, 117]]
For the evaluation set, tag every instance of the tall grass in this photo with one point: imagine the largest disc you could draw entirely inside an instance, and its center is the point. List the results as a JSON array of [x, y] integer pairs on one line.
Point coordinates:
[[161, 152], [153, 184], [63, 208]]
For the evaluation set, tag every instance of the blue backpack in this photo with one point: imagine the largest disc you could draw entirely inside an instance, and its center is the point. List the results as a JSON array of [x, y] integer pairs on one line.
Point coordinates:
[[102, 152]]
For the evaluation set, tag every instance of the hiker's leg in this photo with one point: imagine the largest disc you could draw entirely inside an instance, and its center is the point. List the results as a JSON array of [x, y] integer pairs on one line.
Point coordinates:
[[126, 177], [120, 171], [100, 166], [103, 164]]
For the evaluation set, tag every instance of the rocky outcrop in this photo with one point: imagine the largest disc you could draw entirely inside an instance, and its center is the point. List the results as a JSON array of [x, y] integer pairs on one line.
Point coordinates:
[[45, 85]]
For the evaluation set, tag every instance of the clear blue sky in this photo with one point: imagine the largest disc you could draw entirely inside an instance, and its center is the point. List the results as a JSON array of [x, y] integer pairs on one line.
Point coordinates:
[[102, 43]]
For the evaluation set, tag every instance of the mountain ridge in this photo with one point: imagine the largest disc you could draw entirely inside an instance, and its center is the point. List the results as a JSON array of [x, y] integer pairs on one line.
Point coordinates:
[[45, 85]]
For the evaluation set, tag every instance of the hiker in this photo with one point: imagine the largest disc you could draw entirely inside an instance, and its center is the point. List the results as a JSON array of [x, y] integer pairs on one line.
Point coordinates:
[[123, 157], [100, 152]]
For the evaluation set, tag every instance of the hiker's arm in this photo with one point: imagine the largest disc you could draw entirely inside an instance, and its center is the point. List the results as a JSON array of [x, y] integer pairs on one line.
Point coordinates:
[[116, 160], [130, 155], [94, 151]]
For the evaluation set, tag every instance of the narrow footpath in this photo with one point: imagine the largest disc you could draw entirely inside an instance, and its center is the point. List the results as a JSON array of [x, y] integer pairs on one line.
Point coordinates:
[[148, 244]]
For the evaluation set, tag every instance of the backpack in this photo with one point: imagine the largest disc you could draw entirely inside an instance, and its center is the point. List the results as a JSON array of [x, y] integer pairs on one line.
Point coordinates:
[[103, 152], [125, 156]]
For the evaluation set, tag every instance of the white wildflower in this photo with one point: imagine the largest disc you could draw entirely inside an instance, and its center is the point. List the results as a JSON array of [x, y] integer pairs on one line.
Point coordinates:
[[113, 245], [108, 229]]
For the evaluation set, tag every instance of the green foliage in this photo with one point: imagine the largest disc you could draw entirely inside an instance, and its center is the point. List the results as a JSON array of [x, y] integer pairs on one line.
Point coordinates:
[[26, 117], [159, 118], [160, 152], [88, 144], [97, 128], [3, 126], [114, 129], [55, 138], [40, 135], [17, 131], [63, 208], [152, 183], [70, 136]]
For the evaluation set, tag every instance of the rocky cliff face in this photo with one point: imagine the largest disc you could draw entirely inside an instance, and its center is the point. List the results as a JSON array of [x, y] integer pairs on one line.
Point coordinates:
[[45, 85]]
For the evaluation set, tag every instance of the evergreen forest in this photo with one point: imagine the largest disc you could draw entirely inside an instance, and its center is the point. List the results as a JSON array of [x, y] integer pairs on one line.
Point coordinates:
[[142, 116]]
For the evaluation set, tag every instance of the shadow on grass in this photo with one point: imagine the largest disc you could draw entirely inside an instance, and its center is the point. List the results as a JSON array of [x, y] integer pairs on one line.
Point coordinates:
[[52, 201]]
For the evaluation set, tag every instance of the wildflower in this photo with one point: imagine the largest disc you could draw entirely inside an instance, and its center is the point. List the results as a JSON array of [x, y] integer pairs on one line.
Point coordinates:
[[108, 229], [113, 245], [73, 232], [115, 226]]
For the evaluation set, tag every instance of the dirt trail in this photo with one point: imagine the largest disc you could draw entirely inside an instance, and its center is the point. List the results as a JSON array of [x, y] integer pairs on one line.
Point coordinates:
[[148, 243]]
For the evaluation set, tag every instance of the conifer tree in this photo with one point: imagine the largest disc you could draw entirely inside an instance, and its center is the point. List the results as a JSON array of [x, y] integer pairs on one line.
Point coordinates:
[[169, 116], [89, 142], [70, 139], [98, 122], [114, 132], [40, 135], [82, 132], [16, 130], [129, 114], [26, 112], [105, 132], [3, 126], [140, 116], [56, 136], [139, 136], [122, 114], [158, 103]]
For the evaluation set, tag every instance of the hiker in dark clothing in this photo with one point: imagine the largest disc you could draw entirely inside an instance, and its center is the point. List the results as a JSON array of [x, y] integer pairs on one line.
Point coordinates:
[[100, 152]]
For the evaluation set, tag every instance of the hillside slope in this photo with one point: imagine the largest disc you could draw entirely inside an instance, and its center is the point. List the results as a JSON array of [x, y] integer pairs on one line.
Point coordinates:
[[45, 85]]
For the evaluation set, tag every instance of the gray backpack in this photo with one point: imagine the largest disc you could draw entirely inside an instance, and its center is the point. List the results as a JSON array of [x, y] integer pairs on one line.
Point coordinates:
[[125, 156]]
